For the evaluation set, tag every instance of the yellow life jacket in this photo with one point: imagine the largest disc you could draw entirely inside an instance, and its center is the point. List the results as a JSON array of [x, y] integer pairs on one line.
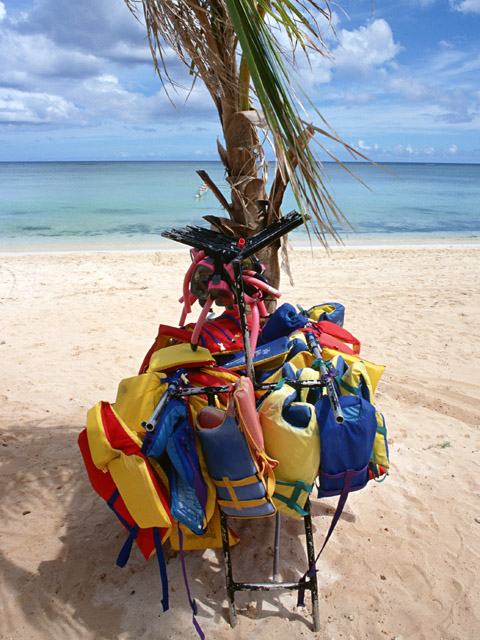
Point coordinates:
[[115, 448], [301, 360], [211, 539], [135, 402], [291, 435], [180, 355], [354, 379], [137, 398], [374, 370]]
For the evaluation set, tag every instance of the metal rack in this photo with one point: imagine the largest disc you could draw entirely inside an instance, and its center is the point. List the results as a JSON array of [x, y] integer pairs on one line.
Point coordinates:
[[225, 250]]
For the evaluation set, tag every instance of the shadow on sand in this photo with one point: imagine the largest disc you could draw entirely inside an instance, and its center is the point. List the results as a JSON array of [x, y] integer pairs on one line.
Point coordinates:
[[61, 577]]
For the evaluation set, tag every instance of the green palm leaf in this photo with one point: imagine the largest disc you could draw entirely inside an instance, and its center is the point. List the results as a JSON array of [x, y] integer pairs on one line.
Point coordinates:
[[274, 89]]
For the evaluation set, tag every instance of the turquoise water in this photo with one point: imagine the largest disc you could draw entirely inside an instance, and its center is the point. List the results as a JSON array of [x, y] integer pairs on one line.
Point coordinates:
[[108, 205]]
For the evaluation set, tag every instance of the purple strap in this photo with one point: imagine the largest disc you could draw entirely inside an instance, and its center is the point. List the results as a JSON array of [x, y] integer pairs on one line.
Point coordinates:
[[193, 604], [349, 475]]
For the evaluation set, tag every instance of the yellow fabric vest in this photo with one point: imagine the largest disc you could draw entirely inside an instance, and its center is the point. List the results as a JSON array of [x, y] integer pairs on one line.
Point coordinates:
[[211, 539], [129, 472], [137, 398], [297, 449], [374, 370], [179, 355]]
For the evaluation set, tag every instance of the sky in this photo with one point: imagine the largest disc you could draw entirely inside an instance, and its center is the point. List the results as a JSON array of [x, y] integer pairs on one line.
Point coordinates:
[[77, 83]]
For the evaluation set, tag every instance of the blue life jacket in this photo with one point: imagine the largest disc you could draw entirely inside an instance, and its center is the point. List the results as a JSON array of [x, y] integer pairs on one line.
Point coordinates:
[[283, 321], [188, 491], [244, 489], [345, 448]]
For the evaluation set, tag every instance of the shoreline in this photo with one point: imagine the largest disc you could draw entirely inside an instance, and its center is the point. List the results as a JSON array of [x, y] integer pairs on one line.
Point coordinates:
[[171, 247]]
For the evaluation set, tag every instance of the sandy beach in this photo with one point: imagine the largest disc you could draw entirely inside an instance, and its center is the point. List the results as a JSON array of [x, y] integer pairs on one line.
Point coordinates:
[[404, 560]]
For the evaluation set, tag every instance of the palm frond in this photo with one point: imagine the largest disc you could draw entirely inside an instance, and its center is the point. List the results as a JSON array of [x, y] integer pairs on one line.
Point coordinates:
[[210, 37], [272, 81]]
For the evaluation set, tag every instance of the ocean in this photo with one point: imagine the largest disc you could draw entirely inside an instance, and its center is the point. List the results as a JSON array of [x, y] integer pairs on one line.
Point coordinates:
[[58, 206]]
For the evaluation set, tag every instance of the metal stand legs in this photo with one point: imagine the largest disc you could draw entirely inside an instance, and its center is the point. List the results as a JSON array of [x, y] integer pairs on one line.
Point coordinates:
[[309, 583]]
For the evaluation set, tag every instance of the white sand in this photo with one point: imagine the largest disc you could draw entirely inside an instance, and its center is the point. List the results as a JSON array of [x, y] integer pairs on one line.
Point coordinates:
[[404, 560]]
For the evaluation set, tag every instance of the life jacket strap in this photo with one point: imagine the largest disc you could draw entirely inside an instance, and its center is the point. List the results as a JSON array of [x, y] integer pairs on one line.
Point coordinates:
[[125, 551], [193, 604], [292, 501], [349, 475], [124, 554], [162, 566], [234, 502]]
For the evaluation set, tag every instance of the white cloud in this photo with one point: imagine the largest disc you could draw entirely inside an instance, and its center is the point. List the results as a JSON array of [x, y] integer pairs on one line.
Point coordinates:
[[67, 64], [466, 6], [445, 82], [84, 65], [365, 48], [410, 88], [361, 144], [30, 61], [18, 107], [357, 97], [97, 26], [361, 50]]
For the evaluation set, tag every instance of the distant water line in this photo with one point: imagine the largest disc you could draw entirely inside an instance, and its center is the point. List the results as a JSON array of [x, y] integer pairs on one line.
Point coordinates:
[[127, 205]]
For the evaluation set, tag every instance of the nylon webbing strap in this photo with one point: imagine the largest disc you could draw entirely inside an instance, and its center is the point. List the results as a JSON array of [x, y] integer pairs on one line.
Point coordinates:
[[162, 566], [230, 485], [349, 474], [124, 554], [193, 604], [292, 501]]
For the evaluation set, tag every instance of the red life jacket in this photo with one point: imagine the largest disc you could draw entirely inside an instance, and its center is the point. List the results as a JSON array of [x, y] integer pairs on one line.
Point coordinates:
[[107, 489], [108, 434], [333, 336], [220, 336]]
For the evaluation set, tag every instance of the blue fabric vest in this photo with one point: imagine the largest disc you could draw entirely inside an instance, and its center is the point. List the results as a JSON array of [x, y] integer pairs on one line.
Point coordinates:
[[188, 491], [240, 489], [347, 446]]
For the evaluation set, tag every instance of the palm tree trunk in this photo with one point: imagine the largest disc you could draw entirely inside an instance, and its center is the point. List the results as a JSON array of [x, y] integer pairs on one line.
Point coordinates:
[[248, 189]]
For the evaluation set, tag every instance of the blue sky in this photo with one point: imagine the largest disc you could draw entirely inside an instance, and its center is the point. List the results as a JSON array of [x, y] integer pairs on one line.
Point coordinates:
[[77, 83]]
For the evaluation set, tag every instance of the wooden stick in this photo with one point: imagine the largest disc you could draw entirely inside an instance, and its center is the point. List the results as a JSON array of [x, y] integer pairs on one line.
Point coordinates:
[[215, 190]]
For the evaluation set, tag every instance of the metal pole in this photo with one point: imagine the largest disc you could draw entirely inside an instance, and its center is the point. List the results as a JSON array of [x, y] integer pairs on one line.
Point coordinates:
[[328, 382], [311, 561], [230, 585], [276, 549]]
